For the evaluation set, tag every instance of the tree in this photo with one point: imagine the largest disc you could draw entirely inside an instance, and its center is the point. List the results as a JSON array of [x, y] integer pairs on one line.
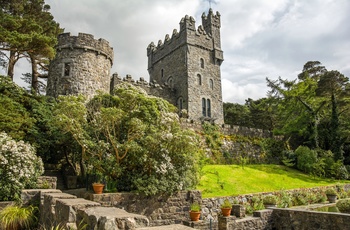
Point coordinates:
[[133, 138], [335, 86], [236, 114], [27, 30]]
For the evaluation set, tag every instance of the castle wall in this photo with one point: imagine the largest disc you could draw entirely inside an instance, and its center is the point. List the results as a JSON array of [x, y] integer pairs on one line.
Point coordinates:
[[207, 90], [179, 58], [81, 66], [154, 89]]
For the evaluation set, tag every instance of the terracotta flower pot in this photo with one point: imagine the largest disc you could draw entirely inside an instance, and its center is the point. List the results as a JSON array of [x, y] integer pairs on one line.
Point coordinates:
[[226, 211], [98, 188], [195, 215]]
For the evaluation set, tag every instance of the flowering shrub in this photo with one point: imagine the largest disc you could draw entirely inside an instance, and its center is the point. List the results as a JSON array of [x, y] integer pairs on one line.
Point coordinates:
[[19, 167]]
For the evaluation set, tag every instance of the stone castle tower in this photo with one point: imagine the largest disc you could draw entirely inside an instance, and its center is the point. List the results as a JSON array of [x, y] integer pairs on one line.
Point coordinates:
[[189, 63], [185, 69], [82, 65]]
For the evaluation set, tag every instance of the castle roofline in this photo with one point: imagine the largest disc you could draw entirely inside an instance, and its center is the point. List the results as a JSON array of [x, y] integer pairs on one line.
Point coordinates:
[[86, 42]]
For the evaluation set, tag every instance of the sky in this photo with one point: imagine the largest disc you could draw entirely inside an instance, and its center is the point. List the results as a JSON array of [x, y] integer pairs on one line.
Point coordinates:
[[259, 38]]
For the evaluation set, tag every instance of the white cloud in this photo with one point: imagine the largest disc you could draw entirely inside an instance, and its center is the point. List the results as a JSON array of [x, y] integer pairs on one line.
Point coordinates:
[[259, 38]]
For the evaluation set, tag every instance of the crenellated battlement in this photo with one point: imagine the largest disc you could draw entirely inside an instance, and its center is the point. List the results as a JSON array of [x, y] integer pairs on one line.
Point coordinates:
[[87, 43], [188, 35], [211, 19], [151, 88]]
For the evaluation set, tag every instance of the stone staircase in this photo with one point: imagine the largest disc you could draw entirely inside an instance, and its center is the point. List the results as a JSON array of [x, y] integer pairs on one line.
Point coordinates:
[[59, 176]]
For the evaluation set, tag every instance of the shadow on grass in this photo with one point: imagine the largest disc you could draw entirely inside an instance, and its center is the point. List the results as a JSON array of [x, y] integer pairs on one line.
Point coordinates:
[[292, 173]]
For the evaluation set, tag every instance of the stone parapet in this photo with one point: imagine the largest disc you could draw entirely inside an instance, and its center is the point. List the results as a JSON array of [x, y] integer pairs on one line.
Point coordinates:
[[288, 219], [47, 182], [85, 42]]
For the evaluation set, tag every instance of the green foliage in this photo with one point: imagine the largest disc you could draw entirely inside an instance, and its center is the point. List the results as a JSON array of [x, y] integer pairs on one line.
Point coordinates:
[[306, 159], [132, 138], [339, 171], [28, 117], [19, 167], [343, 205], [195, 207], [226, 204], [270, 199], [274, 149], [27, 29], [18, 217], [285, 199], [330, 191]]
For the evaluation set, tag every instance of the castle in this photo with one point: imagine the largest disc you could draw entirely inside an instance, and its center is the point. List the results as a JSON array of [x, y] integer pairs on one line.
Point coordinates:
[[184, 69]]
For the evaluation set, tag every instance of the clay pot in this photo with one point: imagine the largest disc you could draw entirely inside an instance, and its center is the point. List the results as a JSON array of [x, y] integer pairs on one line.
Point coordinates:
[[226, 211], [98, 188], [195, 215]]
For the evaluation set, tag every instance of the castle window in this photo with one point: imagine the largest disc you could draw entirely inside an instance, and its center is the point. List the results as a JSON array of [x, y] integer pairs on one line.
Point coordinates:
[[202, 63], [66, 70], [204, 107], [199, 79], [170, 82], [162, 73], [211, 84], [208, 108], [180, 103]]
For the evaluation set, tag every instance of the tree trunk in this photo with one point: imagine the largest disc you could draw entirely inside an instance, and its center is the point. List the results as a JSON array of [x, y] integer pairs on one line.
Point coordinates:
[[35, 74], [11, 64]]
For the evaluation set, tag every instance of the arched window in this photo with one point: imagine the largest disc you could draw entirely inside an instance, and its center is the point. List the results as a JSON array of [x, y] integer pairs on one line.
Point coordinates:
[[208, 108], [162, 73], [199, 79], [211, 83], [202, 63], [170, 82], [204, 107]]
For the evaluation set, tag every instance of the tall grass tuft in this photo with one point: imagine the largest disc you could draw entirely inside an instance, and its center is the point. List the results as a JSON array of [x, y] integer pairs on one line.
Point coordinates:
[[15, 217]]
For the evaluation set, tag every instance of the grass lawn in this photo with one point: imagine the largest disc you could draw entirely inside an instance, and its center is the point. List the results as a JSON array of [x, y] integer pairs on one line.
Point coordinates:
[[231, 180]]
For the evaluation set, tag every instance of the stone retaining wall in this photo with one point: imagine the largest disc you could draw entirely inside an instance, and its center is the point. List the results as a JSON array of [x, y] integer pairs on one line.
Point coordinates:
[[288, 219], [68, 211]]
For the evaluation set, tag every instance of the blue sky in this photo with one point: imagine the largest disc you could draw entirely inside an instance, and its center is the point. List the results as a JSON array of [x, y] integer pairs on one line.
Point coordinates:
[[260, 38]]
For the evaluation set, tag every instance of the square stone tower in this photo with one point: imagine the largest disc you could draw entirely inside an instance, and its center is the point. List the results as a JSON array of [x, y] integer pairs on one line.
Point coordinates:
[[189, 63]]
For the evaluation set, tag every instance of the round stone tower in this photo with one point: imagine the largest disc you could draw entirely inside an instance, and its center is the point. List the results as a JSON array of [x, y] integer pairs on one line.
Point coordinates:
[[82, 66]]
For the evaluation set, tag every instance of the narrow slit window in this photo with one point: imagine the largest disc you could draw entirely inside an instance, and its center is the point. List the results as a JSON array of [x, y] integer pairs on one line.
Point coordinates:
[[202, 63], [204, 107], [199, 79], [66, 71], [208, 108], [180, 103], [211, 84]]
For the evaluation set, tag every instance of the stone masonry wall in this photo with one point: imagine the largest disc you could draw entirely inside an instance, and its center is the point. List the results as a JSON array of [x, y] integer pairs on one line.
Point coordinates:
[[81, 66], [69, 212], [289, 219], [189, 62]]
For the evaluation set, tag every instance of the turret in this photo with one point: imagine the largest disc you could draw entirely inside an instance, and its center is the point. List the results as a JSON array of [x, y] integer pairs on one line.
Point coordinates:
[[81, 66], [212, 24]]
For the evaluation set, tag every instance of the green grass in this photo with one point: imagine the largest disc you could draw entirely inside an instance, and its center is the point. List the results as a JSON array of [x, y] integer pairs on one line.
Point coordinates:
[[232, 180]]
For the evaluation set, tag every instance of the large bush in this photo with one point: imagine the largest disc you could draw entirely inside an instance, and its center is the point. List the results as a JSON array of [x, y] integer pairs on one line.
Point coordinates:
[[132, 138], [306, 159], [19, 167]]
